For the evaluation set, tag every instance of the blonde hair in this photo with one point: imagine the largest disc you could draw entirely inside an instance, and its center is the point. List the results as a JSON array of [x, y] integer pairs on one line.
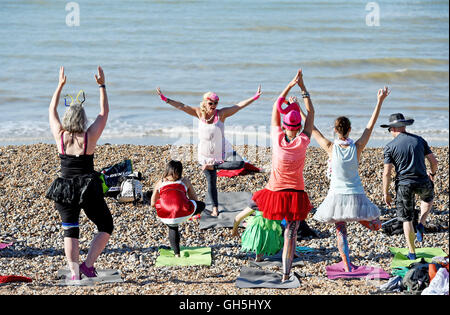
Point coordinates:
[[75, 119], [204, 101]]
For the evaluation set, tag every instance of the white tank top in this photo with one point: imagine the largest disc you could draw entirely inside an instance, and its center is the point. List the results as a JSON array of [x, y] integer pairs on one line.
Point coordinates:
[[212, 145]]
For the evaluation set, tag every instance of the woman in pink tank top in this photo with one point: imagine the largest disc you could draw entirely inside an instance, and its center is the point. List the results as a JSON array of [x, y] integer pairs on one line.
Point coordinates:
[[284, 196]]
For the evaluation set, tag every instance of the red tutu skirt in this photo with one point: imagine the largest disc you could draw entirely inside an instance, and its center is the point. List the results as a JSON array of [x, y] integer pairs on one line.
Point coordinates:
[[292, 205]]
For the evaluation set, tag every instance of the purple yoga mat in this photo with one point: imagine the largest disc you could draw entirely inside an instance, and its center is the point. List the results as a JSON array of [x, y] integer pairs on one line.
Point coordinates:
[[3, 245], [336, 271]]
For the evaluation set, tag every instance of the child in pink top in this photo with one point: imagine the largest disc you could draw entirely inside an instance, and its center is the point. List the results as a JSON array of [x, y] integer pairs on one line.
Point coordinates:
[[284, 196]]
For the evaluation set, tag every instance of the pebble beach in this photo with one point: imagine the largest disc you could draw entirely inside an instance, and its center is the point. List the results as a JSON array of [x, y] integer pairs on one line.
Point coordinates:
[[26, 171]]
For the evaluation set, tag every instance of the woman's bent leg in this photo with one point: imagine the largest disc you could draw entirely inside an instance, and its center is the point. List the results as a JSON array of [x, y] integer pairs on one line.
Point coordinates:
[[99, 213]]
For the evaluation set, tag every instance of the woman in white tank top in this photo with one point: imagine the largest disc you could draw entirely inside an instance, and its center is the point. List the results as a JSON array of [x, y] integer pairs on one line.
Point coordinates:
[[346, 200], [213, 148]]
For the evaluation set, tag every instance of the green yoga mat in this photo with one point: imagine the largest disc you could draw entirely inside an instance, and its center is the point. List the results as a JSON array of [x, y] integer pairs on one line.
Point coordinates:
[[189, 256], [400, 259]]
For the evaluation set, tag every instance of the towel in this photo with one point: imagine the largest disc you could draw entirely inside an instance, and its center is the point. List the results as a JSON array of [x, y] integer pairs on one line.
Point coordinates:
[[247, 169], [13, 278], [3, 245]]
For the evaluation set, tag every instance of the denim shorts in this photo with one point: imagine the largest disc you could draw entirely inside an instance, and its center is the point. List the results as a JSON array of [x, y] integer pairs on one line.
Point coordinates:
[[405, 199]]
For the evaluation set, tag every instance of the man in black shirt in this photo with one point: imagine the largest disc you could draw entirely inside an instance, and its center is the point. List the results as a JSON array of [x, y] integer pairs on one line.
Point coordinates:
[[407, 153]]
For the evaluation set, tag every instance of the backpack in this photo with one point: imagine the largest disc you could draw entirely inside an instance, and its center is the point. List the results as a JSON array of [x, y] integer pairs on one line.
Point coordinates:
[[113, 175], [394, 226], [131, 189]]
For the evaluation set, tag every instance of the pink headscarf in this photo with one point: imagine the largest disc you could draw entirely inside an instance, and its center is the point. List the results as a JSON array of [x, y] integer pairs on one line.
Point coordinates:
[[292, 119]]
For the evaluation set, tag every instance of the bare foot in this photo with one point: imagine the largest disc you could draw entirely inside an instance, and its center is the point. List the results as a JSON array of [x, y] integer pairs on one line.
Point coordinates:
[[215, 212]]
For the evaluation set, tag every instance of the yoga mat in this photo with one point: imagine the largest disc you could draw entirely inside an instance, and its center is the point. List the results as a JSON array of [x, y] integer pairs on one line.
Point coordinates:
[[337, 271], [258, 278], [275, 261], [3, 245], [230, 204], [400, 259], [189, 256], [103, 276]]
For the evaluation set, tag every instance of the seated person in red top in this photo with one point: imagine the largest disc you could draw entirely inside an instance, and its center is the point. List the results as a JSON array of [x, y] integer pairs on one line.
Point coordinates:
[[175, 201]]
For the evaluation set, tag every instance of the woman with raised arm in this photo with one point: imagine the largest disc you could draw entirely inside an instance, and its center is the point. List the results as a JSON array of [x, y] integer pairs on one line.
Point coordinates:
[[214, 151], [284, 196], [79, 186], [346, 200]]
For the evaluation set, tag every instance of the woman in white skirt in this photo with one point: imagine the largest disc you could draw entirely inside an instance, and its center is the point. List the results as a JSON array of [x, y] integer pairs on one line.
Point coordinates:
[[346, 200]]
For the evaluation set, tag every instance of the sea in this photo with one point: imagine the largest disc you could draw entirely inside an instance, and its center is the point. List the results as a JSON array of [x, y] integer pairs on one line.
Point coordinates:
[[347, 51]]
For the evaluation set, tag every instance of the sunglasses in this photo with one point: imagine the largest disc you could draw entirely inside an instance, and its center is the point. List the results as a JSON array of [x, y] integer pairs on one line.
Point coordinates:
[[213, 102], [67, 103]]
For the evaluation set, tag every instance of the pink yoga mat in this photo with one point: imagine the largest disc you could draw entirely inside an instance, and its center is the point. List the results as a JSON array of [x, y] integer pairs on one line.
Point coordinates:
[[3, 245], [336, 271]]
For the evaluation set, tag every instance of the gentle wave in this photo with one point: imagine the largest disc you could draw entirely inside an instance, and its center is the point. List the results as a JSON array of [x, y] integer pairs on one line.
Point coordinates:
[[344, 63], [127, 92], [266, 28], [402, 75], [17, 131], [427, 108], [397, 62]]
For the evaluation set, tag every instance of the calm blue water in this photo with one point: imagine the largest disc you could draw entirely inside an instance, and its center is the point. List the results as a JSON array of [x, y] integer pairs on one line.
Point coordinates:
[[191, 47]]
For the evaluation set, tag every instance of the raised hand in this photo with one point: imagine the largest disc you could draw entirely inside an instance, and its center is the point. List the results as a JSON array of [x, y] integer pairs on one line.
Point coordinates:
[[383, 93], [258, 93], [293, 99], [62, 77], [163, 98], [297, 79], [101, 76]]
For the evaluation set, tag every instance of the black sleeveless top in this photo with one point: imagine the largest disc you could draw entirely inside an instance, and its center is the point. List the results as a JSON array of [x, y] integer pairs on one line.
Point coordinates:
[[79, 182], [74, 165]]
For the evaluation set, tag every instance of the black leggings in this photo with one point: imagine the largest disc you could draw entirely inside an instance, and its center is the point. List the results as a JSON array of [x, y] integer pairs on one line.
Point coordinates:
[[174, 233], [96, 210], [211, 175]]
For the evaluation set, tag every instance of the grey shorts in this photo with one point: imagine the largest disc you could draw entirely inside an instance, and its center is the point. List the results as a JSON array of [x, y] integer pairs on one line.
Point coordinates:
[[405, 199]]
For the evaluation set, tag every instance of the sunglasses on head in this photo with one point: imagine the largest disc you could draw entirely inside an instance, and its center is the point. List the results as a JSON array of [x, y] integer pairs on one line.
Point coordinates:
[[67, 103]]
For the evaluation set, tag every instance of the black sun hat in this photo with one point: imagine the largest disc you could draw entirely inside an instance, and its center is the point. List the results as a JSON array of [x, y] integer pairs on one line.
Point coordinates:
[[397, 120]]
